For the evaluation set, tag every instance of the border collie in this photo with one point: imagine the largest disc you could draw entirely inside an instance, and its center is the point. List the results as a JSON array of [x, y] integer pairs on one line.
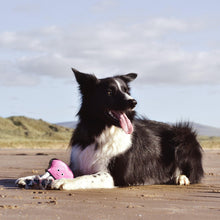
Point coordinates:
[[111, 146]]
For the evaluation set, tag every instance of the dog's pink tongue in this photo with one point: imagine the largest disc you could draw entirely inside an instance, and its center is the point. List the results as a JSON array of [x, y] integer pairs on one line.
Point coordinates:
[[125, 123]]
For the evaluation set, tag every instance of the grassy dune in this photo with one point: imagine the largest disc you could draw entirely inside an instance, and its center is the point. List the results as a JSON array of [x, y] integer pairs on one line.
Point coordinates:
[[209, 142], [23, 132]]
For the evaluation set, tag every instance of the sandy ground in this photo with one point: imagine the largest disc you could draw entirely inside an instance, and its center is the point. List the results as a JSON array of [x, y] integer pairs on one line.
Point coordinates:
[[200, 201]]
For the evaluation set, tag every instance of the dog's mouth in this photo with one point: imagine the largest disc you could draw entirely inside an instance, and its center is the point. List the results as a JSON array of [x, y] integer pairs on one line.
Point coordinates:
[[121, 118]]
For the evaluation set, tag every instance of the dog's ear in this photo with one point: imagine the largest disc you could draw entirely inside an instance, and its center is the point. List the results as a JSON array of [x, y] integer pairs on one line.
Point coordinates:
[[85, 81], [128, 77]]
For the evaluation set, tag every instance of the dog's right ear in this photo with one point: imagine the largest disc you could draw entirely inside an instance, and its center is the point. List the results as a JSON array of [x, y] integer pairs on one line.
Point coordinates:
[[86, 81], [129, 77]]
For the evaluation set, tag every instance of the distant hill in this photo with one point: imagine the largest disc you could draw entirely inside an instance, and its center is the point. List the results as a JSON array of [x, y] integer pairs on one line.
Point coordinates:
[[68, 124], [22, 131], [202, 130], [205, 130]]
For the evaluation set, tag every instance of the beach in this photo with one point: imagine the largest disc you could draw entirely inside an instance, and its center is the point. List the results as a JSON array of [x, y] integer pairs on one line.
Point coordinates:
[[199, 201]]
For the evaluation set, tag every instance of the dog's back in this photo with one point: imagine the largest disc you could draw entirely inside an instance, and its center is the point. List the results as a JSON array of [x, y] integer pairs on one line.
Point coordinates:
[[160, 154]]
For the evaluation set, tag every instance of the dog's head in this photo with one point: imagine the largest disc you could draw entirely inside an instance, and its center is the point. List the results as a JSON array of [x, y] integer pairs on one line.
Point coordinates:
[[107, 100]]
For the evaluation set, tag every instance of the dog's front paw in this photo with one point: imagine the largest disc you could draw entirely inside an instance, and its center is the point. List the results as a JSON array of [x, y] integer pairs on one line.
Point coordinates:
[[59, 184], [29, 182], [182, 180], [46, 183]]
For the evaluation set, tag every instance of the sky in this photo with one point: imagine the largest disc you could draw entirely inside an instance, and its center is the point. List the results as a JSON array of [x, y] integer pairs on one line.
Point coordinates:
[[174, 46]]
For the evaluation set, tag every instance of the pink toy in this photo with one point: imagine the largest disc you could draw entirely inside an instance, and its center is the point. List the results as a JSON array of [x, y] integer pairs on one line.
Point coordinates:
[[58, 170]]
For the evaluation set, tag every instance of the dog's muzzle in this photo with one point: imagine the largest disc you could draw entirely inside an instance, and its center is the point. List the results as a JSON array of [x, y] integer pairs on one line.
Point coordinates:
[[132, 103]]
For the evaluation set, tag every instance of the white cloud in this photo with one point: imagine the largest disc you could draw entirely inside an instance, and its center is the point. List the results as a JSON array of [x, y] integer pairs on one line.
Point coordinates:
[[153, 48], [49, 64]]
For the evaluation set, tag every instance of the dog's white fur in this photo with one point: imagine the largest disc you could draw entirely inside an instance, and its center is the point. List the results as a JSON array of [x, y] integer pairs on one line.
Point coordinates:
[[182, 180], [94, 158], [95, 181]]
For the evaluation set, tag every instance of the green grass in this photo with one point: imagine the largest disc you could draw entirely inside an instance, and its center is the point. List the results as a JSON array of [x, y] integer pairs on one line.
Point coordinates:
[[23, 132], [209, 142]]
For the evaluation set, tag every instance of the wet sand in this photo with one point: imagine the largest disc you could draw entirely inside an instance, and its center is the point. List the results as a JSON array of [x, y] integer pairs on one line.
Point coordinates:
[[200, 201]]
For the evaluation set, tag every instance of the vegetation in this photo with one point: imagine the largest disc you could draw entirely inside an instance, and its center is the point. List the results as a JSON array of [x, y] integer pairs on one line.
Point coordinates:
[[209, 142], [23, 132]]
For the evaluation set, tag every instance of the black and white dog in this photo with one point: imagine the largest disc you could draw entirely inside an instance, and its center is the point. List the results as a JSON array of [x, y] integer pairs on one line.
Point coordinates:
[[112, 147]]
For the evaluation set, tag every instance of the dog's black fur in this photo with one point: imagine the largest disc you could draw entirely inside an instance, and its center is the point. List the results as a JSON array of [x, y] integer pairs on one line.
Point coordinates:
[[157, 151]]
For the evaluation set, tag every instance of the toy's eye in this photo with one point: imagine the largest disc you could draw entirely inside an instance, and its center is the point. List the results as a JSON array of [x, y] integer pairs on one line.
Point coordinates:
[[58, 169], [62, 174]]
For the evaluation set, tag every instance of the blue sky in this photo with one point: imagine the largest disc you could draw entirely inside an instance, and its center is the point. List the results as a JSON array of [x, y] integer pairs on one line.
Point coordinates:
[[174, 46]]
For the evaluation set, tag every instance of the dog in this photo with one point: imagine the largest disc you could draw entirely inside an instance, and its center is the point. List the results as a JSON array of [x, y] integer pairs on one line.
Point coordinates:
[[113, 147]]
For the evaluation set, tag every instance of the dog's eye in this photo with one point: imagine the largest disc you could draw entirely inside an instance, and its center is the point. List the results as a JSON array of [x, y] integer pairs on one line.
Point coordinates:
[[125, 89], [109, 92]]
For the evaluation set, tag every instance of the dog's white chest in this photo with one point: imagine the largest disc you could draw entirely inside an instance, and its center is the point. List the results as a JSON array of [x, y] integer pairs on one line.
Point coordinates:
[[95, 157]]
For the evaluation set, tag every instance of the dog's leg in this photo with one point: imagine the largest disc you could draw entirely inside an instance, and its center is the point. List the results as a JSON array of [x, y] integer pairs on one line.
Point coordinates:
[[30, 182], [182, 180], [95, 181], [27, 182]]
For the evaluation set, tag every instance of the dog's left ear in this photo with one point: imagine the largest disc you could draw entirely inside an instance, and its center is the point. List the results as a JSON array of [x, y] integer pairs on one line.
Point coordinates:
[[128, 77], [86, 81]]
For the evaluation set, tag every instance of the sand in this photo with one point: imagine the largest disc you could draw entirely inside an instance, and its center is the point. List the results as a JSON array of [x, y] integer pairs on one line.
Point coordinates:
[[200, 201]]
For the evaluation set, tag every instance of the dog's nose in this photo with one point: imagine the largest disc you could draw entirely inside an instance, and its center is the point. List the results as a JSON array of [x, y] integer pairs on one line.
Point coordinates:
[[132, 103]]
